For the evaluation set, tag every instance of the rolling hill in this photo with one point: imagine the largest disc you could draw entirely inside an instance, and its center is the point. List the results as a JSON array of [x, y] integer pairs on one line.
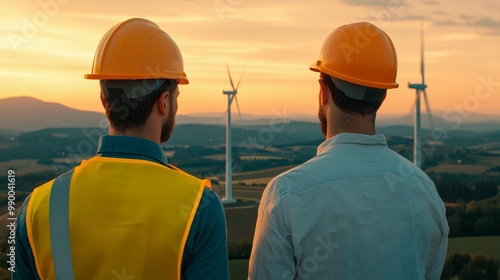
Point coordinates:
[[21, 114], [26, 114]]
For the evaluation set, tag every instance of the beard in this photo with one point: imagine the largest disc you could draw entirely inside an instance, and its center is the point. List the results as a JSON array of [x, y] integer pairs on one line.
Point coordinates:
[[168, 126], [322, 120]]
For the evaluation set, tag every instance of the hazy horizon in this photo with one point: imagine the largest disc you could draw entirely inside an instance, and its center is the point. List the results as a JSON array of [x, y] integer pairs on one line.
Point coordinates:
[[277, 110], [13, 117]]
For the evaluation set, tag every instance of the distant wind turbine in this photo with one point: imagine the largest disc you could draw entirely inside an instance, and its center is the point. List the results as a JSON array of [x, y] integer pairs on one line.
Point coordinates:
[[420, 88], [231, 95]]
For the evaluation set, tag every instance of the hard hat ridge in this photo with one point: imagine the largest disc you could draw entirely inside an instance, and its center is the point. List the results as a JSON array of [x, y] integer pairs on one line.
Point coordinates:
[[137, 49]]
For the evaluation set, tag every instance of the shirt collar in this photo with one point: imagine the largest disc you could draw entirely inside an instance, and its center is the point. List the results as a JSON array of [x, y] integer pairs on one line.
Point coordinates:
[[130, 147], [351, 138]]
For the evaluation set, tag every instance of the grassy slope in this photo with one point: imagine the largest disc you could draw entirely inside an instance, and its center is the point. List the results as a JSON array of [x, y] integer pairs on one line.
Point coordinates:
[[271, 172], [486, 245], [238, 269]]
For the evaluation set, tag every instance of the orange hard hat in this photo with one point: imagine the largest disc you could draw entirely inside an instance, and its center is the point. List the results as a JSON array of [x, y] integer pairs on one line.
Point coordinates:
[[137, 49], [361, 54]]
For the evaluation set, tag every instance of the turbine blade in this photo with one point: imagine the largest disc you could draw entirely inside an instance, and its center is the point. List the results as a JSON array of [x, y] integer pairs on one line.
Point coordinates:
[[422, 70], [241, 76], [238, 106], [230, 78], [224, 116], [412, 109], [431, 119]]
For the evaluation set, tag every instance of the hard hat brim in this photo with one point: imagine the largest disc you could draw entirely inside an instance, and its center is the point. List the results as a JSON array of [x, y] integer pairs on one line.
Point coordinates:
[[317, 67], [182, 79]]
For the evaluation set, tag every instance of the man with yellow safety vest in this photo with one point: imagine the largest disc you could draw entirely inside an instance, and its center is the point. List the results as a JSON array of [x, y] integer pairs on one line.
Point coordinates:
[[126, 213], [357, 210]]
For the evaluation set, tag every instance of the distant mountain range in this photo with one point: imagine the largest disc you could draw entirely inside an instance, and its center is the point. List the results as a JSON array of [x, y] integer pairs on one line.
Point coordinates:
[[21, 114], [27, 114]]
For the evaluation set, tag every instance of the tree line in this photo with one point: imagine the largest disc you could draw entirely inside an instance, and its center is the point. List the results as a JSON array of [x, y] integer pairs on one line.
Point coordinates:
[[467, 267], [465, 191], [478, 218]]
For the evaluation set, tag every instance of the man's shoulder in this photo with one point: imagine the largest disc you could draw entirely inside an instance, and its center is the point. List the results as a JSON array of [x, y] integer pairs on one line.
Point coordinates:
[[209, 196], [209, 213], [182, 173], [43, 189], [337, 166], [296, 178], [405, 168], [210, 204]]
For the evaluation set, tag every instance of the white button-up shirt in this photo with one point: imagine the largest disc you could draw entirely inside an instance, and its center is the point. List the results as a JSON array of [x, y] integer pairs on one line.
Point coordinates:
[[357, 210]]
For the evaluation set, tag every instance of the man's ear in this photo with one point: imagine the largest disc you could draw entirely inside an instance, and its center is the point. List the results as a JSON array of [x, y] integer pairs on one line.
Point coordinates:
[[383, 97], [103, 100], [324, 92], [163, 103]]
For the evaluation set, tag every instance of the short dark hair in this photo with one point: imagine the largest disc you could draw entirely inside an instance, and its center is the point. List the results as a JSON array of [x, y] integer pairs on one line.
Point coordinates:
[[124, 113], [347, 104]]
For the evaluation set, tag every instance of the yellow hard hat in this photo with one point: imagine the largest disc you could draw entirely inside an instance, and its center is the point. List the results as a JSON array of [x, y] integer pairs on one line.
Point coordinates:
[[359, 53], [137, 49]]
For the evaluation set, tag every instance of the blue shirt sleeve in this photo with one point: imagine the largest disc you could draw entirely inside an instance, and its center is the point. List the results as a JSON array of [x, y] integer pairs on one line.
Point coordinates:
[[273, 255], [25, 262], [205, 254]]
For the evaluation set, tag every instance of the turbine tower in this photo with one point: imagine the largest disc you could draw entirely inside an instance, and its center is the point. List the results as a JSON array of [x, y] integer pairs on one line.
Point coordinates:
[[420, 88], [231, 95]]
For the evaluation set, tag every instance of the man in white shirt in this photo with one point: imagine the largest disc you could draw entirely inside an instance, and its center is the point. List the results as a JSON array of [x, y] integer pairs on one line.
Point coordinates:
[[357, 210]]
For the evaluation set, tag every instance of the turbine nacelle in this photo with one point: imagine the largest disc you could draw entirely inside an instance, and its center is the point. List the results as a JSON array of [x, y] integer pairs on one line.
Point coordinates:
[[229, 92], [417, 86]]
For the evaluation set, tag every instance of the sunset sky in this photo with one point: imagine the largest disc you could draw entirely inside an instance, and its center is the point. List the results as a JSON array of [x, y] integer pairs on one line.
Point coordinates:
[[46, 46]]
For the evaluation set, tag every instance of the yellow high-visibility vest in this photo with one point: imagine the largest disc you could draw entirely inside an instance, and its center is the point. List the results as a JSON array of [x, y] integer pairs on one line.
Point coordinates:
[[128, 219]]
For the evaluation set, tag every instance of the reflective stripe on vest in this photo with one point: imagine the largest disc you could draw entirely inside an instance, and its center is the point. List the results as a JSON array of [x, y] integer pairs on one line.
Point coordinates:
[[127, 218], [59, 226]]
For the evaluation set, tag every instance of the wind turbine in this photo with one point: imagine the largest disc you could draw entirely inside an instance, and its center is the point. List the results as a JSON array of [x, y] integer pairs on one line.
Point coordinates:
[[231, 95], [420, 88]]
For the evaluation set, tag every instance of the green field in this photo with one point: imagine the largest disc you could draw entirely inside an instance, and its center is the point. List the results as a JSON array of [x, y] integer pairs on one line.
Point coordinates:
[[260, 177], [259, 174], [472, 169], [238, 269], [487, 245], [23, 166]]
